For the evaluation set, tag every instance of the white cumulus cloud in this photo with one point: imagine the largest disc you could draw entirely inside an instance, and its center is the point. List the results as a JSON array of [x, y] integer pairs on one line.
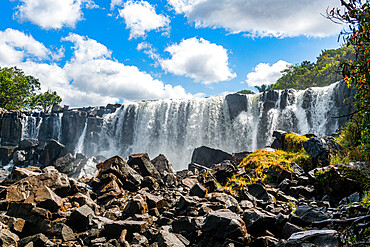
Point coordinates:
[[90, 77], [265, 73], [52, 14], [140, 17], [198, 59], [286, 18]]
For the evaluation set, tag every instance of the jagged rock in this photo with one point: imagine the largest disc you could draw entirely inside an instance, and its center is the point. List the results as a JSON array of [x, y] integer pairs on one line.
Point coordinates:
[[150, 183], [163, 165], [8, 239], [224, 224], [28, 143], [198, 190], [258, 193], [238, 157], [257, 222], [223, 171], [318, 151], [265, 241], [81, 218], [225, 199], [310, 214], [313, 238], [14, 224], [64, 163], [167, 239], [37, 240], [187, 224], [18, 174], [82, 200], [52, 151], [50, 169], [44, 197], [20, 191], [11, 128], [6, 154], [19, 157], [154, 201], [279, 139], [236, 103], [115, 228], [116, 165], [136, 206], [142, 164], [289, 229], [207, 157]]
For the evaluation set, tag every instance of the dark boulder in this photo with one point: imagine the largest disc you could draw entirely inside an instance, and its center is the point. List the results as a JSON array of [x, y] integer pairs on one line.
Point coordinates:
[[236, 103], [163, 165], [318, 151], [327, 238], [143, 165], [118, 167], [52, 151], [207, 157], [28, 144], [224, 224], [6, 154], [81, 218]]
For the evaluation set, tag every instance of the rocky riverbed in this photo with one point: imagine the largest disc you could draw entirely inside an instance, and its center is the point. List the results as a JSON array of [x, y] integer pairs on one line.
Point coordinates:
[[143, 202]]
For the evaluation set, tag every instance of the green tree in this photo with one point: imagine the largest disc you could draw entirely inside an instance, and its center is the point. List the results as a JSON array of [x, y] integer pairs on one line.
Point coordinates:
[[263, 88], [246, 91], [16, 88], [45, 100], [322, 73], [356, 72]]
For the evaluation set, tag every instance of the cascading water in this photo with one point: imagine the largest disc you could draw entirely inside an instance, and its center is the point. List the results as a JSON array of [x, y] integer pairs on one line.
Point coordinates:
[[234, 123], [31, 127]]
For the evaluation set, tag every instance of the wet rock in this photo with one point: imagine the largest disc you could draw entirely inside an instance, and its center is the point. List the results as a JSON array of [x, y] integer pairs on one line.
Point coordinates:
[[236, 103], [238, 157], [52, 151], [6, 154], [127, 176], [224, 224], [18, 174], [63, 164], [81, 218], [313, 238], [198, 190], [145, 167], [207, 157], [19, 157]]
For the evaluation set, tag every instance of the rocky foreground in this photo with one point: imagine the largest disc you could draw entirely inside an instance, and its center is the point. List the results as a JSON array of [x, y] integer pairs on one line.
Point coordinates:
[[143, 202]]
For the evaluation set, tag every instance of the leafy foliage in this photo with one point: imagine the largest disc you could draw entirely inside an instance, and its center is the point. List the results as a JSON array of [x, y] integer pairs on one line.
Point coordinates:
[[322, 73], [263, 88], [45, 101], [16, 89], [356, 71], [246, 91]]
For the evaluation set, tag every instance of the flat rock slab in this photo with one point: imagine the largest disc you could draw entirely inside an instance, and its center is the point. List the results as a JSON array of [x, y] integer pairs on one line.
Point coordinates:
[[325, 238]]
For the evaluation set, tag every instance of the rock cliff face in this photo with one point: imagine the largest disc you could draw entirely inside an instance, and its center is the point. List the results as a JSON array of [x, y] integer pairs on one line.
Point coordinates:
[[234, 123]]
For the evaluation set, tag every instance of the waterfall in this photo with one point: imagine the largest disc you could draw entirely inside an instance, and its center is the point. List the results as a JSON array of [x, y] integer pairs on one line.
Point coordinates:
[[234, 123], [31, 126], [81, 140]]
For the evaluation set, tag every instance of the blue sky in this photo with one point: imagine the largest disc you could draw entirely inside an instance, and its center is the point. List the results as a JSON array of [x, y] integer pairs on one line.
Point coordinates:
[[94, 52]]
